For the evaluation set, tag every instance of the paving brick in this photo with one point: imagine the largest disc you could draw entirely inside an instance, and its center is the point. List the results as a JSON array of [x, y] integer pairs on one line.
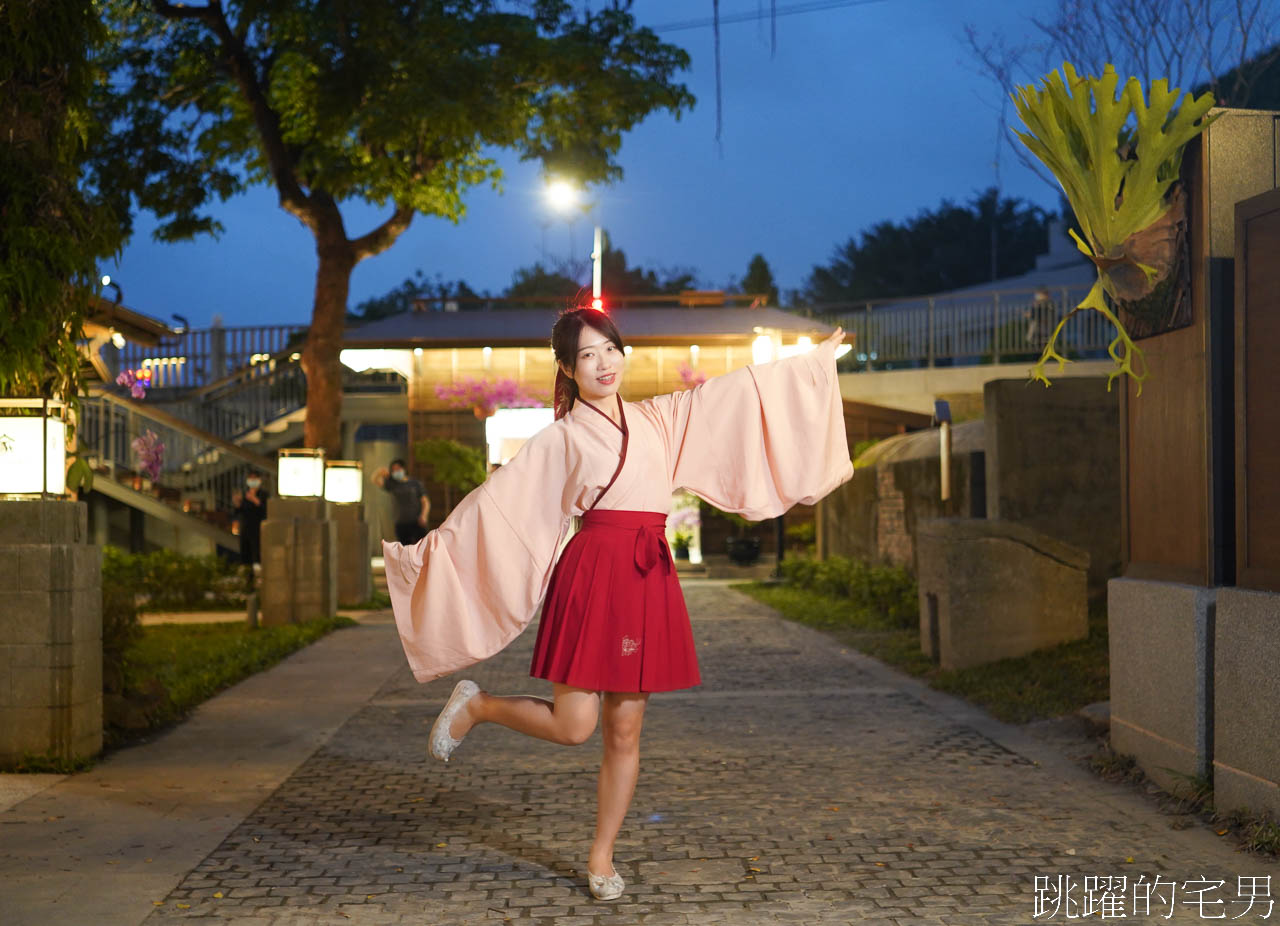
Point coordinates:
[[767, 795]]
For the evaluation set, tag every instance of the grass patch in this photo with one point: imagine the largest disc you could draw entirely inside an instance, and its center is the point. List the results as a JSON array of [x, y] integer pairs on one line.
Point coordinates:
[[1042, 684], [170, 668], [378, 601]]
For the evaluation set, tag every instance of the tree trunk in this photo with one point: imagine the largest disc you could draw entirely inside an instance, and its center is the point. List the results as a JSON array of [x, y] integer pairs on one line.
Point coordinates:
[[320, 358]]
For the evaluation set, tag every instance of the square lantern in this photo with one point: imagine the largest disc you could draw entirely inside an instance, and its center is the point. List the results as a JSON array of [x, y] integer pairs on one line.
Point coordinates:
[[344, 481], [300, 472], [33, 447]]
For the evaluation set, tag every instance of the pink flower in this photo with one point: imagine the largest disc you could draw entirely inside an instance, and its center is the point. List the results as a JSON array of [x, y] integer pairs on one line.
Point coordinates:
[[150, 453]]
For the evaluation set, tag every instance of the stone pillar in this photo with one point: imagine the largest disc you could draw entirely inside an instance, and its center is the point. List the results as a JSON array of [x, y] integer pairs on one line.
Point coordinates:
[[50, 631], [299, 561], [355, 573]]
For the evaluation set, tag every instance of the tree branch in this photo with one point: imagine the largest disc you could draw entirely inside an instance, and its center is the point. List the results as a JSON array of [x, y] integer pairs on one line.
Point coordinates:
[[292, 196], [385, 235]]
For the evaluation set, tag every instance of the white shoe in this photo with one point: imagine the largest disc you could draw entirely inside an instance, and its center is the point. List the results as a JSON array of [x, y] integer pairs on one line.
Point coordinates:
[[440, 743], [605, 887]]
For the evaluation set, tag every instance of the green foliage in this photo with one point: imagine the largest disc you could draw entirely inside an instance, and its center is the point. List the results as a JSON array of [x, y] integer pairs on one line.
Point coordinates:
[[53, 230], [403, 297], [172, 668], [1117, 159], [452, 463], [802, 533], [167, 581], [888, 591], [397, 104], [541, 284], [120, 625], [937, 250], [759, 279], [1045, 683]]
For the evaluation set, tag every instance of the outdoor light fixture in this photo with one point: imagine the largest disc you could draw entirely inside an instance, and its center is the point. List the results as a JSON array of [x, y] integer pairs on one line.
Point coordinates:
[[562, 195], [117, 339], [301, 472], [343, 481], [361, 359], [33, 448], [762, 349]]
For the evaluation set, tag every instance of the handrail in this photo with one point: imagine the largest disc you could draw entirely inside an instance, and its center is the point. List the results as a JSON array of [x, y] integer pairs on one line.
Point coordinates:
[[184, 427]]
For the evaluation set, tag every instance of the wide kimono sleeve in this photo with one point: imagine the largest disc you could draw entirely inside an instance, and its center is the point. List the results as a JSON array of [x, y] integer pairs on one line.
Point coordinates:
[[759, 439], [469, 587]]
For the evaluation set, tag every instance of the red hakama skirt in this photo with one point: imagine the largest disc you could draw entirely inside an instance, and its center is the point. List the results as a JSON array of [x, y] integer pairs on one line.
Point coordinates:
[[614, 617]]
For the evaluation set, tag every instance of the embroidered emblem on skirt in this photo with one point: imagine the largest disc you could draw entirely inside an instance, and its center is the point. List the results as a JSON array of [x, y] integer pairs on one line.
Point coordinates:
[[629, 646]]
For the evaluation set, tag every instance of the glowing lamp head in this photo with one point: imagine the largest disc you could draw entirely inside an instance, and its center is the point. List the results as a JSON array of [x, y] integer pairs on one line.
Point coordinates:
[[597, 304], [562, 195]]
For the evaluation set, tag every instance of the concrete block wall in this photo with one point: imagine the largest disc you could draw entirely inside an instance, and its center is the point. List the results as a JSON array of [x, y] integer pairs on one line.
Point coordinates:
[[299, 562], [1246, 701], [996, 589], [50, 631], [1161, 653]]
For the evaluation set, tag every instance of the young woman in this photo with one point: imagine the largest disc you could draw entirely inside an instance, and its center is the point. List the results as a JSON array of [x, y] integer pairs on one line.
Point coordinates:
[[614, 628]]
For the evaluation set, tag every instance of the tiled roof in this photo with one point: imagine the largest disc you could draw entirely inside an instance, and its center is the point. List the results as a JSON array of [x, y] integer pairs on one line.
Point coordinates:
[[533, 326]]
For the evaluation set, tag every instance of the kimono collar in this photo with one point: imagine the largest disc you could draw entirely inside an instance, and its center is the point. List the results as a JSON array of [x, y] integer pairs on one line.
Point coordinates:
[[591, 411]]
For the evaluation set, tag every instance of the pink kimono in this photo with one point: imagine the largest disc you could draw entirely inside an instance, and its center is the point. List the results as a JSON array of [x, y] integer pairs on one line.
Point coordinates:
[[755, 441]]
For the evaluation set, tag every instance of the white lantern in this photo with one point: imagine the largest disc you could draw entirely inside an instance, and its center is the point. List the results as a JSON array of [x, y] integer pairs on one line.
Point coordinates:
[[33, 447], [343, 481], [300, 472]]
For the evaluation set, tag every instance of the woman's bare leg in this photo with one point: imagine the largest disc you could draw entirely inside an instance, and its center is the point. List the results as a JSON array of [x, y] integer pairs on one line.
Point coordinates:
[[623, 716], [569, 720]]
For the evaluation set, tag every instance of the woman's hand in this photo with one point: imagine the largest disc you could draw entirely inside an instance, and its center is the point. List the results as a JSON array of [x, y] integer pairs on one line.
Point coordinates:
[[835, 337]]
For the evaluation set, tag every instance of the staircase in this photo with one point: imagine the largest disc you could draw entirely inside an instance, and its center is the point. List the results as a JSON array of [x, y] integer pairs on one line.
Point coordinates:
[[214, 435], [199, 473]]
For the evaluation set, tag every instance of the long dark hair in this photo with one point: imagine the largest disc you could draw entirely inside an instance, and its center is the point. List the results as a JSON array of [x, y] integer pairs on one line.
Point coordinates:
[[564, 342]]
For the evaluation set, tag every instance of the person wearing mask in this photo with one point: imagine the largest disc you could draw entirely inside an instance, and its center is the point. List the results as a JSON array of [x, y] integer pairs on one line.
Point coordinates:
[[250, 509], [410, 501]]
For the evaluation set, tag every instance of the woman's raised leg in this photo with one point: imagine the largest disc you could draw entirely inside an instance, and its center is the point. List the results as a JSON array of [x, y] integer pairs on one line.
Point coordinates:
[[623, 714], [569, 720]]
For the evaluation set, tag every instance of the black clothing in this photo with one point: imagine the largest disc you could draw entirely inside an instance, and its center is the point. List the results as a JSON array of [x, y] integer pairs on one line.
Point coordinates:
[[251, 517]]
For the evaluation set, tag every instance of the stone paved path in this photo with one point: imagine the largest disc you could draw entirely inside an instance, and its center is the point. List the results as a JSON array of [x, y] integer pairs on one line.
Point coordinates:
[[799, 784]]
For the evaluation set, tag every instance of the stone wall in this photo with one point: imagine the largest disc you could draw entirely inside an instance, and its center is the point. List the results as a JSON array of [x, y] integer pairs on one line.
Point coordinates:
[[895, 485], [1053, 462], [50, 631]]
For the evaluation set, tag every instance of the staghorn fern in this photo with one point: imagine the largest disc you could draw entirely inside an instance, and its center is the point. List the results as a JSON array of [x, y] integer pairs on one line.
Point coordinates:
[[1116, 158]]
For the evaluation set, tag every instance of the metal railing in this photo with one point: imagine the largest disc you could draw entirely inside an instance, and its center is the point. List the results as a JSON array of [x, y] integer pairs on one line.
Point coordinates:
[[202, 356], [966, 329], [199, 471]]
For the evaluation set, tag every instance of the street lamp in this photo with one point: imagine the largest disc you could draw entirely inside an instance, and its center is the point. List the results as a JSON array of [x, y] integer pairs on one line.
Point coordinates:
[[564, 197], [344, 481]]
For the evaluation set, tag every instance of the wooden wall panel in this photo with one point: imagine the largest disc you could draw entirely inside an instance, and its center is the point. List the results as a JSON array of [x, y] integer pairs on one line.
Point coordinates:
[[1256, 388]]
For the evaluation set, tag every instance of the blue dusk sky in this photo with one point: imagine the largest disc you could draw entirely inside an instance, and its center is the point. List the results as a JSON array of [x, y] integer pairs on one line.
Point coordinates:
[[867, 112]]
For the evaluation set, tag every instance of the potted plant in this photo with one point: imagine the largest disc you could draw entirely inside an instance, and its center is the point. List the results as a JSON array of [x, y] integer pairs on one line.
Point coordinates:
[[742, 550], [680, 543]]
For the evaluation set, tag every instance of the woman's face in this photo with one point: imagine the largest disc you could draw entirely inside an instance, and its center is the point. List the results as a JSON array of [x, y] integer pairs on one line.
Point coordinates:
[[600, 365]]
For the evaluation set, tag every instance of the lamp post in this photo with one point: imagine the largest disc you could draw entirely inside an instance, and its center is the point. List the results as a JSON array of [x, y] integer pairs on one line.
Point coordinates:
[[299, 543], [344, 491], [564, 197]]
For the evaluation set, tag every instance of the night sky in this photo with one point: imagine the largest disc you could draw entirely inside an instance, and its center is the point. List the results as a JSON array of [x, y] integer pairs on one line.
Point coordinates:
[[867, 112]]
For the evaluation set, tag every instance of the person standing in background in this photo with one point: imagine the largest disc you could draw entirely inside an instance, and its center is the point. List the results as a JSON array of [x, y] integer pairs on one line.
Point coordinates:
[[410, 501], [250, 509]]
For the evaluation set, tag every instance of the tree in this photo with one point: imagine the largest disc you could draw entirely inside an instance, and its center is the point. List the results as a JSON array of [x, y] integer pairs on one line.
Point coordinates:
[[619, 280], [759, 279], [937, 250], [558, 283], [52, 230], [404, 297], [399, 105]]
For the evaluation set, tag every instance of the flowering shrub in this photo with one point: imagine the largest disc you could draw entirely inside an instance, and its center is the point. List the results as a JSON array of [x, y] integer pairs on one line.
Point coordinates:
[[486, 396], [137, 386], [691, 377], [150, 453]]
